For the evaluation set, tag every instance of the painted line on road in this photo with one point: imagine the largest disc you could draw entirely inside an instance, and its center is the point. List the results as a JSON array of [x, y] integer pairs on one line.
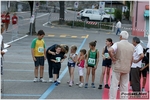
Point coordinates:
[[52, 87], [18, 80], [17, 39], [38, 16], [21, 95]]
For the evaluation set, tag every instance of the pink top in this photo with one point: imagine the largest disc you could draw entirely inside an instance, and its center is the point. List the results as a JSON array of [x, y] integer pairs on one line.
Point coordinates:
[[82, 62]]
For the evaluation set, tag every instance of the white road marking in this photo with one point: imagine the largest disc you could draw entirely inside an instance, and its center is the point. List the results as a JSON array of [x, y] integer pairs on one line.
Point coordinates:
[[38, 16], [17, 39]]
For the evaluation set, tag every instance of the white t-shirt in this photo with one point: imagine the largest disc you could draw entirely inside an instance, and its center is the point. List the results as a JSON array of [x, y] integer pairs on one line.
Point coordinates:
[[1, 38], [136, 55], [70, 60], [118, 25]]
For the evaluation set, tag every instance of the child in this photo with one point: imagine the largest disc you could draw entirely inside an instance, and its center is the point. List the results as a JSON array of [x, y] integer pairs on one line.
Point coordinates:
[[71, 63], [92, 62], [80, 63], [145, 63], [106, 63], [57, 59], [38, 53]]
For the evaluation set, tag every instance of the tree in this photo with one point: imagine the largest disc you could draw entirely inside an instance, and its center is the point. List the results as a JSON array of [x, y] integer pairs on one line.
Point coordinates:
[[31, 3], [61, 12], [118, 14]]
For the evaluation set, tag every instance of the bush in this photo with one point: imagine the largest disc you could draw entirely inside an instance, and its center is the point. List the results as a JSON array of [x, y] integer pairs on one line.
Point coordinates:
[[118, 14]]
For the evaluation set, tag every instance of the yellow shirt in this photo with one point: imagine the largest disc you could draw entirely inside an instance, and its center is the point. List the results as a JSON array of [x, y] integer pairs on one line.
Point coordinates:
[[38, 46]]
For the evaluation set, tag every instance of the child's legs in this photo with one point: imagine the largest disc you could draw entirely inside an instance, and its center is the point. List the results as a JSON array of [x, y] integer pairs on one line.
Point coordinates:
[[82, 79], [81, 73], [108, 73], [102, 75], [144, 74], [72, 73], [36, 72], [55, 73], [41, 60], [88, 74], [93, 75]]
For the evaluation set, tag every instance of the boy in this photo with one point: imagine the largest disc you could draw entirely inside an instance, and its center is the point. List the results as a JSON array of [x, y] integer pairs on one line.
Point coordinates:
[[57, 59], [38, 53]]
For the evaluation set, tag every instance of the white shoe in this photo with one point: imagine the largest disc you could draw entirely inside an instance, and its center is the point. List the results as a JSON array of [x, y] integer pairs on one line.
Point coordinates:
[[81, 85], [42, 80], [130, 88], [35, 80], [58, 81], [78, 83], [70, 84], [50, 80]]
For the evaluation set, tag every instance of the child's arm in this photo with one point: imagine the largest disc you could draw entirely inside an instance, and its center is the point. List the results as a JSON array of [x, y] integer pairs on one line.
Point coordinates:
[[144, 67], [97, 60], [87, 59], [103, 54], [44, 53], [53, 60], [75, 58], [32, 52], [62, 60]]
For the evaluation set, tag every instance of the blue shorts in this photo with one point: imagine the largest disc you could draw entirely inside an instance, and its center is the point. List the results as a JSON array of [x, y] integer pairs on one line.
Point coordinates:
[[71, 64]]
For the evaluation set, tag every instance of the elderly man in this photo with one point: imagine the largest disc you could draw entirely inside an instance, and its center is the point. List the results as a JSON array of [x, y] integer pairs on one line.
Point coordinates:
[[136, 64], [121, 54]]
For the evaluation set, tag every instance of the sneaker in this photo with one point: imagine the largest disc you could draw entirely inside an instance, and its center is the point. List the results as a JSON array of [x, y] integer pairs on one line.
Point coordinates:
[[86, 85], [107, 86], [100, 87], [70, 84], [143, 90], [35, 80], [78, 83], [58, 81], [92, 85], [81, 85], [42, 80], [130, 88], [50, 80]]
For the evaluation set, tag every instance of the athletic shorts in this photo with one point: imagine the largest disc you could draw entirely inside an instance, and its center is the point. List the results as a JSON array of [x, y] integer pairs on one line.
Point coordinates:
[[81, 71], [71, 64], [56, 70], [144, 72], [106, 63], [39, 61], [91, 66]]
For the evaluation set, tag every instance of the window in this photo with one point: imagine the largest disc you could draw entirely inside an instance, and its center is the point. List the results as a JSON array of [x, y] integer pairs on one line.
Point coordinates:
[[88, 12]]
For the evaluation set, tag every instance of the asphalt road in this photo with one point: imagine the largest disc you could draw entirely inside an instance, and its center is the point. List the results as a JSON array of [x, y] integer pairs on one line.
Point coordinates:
[[18, 64]]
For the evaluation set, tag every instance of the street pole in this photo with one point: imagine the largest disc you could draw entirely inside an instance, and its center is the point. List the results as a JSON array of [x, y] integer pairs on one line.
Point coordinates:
[[110, 13], [33, 13], [74, 18]]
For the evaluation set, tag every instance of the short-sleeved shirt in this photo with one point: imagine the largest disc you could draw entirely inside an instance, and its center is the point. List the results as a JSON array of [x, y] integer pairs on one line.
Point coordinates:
[[55, 57], [3, 18], [14, 19], [38, 46], [52, 48], [136, 55], [7, 19]]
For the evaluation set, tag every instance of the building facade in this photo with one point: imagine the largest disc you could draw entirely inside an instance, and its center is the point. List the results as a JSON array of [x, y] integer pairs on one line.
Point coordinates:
[[140, 18]]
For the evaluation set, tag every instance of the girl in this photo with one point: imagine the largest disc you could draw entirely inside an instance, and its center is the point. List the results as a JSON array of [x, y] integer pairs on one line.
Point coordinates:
[[80, 63], [7, 21], [92, 63], [106, 63], [71, 63]]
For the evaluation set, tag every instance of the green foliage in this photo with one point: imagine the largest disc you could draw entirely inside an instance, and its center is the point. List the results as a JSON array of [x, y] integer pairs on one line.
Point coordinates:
[[118, 14], [42, 2], [127, 14]]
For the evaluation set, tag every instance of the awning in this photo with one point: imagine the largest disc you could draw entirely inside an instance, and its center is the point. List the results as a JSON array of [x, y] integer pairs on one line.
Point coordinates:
[[146, 13]]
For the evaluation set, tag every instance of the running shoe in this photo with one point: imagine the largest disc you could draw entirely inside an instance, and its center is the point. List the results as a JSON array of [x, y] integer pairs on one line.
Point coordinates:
[[86, 85], [92, 85], [35, 80]]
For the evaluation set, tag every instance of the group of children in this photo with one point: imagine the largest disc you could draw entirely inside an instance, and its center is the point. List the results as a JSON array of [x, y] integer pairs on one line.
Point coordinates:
[[86, 59]]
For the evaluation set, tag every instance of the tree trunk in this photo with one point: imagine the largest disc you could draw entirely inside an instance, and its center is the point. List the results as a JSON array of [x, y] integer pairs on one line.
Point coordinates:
[[31, 3], [61, 12]]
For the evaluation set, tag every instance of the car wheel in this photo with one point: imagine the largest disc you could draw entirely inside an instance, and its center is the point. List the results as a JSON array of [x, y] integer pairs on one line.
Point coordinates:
[[86, 19], [105, 20]]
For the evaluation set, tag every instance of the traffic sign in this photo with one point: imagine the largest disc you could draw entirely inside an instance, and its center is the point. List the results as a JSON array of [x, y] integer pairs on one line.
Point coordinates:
[[76, 4], [101, 6]]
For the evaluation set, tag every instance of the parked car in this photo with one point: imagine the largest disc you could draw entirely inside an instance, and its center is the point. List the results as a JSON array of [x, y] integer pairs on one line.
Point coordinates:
[[79, 14], [94, 14]]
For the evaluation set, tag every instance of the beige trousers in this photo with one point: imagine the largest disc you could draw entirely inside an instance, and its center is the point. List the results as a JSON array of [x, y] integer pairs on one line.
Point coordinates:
[[123, 78]]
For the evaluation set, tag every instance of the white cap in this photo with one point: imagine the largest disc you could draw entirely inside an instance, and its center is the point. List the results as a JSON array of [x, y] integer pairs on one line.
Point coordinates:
[[124, 34]]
